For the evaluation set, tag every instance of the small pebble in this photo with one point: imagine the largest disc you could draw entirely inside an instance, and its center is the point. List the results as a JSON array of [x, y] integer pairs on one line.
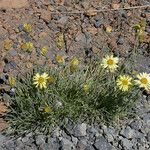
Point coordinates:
[[120, 41]]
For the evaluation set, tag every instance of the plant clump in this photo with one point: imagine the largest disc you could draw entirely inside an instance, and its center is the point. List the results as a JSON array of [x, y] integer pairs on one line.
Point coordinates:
[[97, 91]]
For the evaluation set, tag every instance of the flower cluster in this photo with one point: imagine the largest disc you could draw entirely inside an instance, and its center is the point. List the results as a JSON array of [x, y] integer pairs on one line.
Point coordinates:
[[28, 46], [124, 82], [110, 63]]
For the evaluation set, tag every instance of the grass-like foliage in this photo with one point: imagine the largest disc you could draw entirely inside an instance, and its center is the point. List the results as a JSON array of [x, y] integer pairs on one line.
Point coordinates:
[[74, 91]]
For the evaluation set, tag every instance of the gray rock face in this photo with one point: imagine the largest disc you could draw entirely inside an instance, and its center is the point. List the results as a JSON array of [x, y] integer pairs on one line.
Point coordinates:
[[66, 144], [136, 125], [54, 143], [80, 130], [45, 146], [40, 139], [102, 144], [127, 133], [148, 136], [126, 144], [2, 139], [81, 38], [13, 53], [146, 119], [82, 144], [89, 147]]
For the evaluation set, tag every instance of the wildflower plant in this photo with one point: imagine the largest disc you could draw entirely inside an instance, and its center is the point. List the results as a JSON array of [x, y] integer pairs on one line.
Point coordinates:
[[48, 97]]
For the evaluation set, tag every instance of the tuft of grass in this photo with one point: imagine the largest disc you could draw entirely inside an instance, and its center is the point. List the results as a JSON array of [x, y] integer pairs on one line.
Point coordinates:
[[89, 93]]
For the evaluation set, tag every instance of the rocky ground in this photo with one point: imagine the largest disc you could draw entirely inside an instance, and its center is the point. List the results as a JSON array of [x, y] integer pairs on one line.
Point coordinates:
[[131, 134], [84, 35]]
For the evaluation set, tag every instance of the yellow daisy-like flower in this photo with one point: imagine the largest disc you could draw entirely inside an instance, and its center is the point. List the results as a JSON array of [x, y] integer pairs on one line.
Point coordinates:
[[40, 80], [44, 51], [124, 82], [51, 80], [28, 46], [12, 81], [110, 62], [60, 59], [47, 109], [74, 62], [85, 88], [27, 27], [143, 80]]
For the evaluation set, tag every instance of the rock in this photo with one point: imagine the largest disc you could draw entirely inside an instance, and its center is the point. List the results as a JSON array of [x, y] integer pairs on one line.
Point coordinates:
[[15, 45], [93, 132], [89, 147], [19, 143], [80, 130], [148, 136], [66, 144], [3, 79], [25, 139], [81, 145], [8, 66], [63, 20], [13, 53], [127, 133], [120, 40], [45, 15], [53, 26], [74, 140], [45, 146], [10, 144], [2, 139], [20, 28], [85, 4], [54, 143], [91, 12], [98, 23], [80, 38], [12, 92], [126, 144], [1, 67], [40, 139], [146, 119], [136, 125], [115, 6], [4, 4], [147, 29], [102, 144]]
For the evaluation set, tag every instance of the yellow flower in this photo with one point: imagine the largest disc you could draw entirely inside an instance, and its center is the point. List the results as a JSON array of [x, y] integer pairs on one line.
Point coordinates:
[[143, 80], [12, 81], [8, 44], [28, 46], [110, 62], [74, 62], [40, 80], [85, 87], [60, 59], [124, 82], [51, 80], [60, 41], [108, 29], [44, 51], [47, 109], [27, 27]]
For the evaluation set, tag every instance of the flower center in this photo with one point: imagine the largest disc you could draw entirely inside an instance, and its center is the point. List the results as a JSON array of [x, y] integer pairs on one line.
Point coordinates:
[[144, 81], [125, 82], [41, 80], [110, 62]]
